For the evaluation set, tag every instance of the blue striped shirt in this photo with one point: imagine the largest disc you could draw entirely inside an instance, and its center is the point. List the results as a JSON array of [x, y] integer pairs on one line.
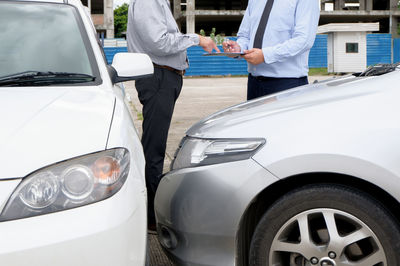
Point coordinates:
[[288, 38]]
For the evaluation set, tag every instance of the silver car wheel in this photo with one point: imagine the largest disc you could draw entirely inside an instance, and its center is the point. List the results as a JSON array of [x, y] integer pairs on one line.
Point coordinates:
[[326, 237]]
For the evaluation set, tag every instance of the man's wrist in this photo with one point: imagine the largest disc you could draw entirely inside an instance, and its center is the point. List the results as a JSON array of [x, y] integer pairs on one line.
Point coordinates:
[[268, 55], [242, 46]]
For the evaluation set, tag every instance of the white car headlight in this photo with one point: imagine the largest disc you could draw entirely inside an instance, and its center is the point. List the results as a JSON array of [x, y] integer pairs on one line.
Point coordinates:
[[199, 152], [69, 184]]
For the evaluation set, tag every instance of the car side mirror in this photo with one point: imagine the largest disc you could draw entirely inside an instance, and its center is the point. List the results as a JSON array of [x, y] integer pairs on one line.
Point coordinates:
[[130, 66]]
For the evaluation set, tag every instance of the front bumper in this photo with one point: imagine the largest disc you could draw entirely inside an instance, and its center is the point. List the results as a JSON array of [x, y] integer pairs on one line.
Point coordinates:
[[199, 210], [110, 232]]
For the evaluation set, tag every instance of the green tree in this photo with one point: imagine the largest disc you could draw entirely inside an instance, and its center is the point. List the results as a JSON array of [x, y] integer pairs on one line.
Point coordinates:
[[120, 19]]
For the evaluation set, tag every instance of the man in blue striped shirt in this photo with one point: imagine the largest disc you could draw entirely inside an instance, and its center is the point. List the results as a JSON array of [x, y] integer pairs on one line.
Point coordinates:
[[281, 61]]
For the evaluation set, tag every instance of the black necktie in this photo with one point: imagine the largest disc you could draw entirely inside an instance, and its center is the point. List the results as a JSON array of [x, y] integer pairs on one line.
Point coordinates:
[[258, 40]]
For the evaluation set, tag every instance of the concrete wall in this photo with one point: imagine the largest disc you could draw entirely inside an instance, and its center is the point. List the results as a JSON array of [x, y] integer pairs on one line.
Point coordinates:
[[109, 18], [102, 15]]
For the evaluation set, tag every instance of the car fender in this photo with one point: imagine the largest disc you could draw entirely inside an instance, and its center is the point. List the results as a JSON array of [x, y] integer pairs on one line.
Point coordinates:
[[338, 164]]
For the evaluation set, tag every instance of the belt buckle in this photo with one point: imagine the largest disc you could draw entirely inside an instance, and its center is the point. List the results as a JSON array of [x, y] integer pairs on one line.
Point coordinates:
[[180, 72]]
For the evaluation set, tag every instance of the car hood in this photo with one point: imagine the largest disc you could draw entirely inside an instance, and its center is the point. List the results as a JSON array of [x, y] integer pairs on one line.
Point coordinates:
[[42, 126], [235, 121]]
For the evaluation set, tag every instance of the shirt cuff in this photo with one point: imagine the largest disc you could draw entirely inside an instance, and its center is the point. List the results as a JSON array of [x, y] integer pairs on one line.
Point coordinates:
[[243, 47], [194, 38], [269, 55]]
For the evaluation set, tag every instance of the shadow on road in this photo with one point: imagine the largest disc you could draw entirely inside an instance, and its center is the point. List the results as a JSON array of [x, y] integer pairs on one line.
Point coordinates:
[[157, 256]]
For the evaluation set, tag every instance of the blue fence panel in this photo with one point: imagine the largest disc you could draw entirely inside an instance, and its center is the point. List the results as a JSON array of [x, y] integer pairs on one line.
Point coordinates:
[[111, 51], [199, 65], [213, 65], [379, 49], [319, 52], [204, 66], [207, 66], [396, 50]]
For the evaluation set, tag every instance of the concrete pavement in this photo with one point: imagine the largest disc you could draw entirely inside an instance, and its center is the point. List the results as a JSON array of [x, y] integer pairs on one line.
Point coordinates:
[[199, 98]]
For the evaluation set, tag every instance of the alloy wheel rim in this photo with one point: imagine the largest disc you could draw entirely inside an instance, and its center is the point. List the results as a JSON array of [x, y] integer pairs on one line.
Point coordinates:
[[326, 237]]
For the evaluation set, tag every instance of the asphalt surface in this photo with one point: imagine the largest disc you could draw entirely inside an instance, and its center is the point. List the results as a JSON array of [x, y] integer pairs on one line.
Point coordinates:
[[199, 98]]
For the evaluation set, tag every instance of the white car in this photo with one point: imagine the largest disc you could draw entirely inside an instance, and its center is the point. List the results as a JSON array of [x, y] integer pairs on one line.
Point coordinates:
[[309, 176], [72, 187]]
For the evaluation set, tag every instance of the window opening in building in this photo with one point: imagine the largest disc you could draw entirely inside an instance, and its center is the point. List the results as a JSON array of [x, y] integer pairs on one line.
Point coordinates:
[[351, 48], [381, 5], [97, 6]]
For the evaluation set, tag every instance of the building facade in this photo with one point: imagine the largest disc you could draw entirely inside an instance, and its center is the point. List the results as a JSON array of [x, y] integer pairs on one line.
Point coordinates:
[[102, 15], [226, 15]]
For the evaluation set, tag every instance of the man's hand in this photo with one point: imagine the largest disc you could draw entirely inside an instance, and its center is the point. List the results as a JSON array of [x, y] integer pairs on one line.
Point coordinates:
[[231, 47], [208, 44], [254, 56]]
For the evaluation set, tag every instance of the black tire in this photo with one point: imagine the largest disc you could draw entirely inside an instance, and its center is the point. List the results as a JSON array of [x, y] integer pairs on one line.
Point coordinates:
[[284, 215]]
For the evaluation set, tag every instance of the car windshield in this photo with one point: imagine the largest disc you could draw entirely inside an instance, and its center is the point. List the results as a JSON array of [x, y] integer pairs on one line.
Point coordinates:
[[42, 37]]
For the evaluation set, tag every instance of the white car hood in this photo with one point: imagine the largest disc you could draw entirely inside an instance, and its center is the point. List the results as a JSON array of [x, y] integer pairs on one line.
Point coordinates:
[[42, 126], [235, 122]]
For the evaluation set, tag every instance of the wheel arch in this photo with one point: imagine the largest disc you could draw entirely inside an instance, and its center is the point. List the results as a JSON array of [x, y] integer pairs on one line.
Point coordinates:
[[269, 195]]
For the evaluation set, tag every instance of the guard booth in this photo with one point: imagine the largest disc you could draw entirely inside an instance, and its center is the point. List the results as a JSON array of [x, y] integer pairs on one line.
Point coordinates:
[[347, 45]]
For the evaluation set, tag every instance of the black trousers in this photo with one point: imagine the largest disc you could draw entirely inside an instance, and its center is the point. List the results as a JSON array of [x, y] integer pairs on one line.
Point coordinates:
[[258, 87], [158, 95]]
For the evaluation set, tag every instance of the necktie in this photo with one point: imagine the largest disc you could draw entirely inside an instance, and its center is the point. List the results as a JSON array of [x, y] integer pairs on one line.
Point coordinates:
[[258, 40]]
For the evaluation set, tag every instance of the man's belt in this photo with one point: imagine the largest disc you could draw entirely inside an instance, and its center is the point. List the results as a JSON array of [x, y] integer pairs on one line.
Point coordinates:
[[179, 72], [262, 78]]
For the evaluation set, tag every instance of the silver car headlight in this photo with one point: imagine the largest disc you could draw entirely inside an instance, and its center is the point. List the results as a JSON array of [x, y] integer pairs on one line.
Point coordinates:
[[200, 152], [69, 184]]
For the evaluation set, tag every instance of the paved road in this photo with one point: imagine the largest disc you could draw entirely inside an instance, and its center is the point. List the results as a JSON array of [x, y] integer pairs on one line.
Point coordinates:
[[199, 98]]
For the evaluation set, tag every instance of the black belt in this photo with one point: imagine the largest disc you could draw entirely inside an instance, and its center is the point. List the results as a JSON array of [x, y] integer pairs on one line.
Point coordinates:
[[179, 72], [262, 78]]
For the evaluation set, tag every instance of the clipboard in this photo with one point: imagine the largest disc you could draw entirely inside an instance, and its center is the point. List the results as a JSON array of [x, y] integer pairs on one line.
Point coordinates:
[[231, 55]]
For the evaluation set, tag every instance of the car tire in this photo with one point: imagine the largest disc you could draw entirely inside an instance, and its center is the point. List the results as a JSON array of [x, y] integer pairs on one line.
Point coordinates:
[[326, 225]]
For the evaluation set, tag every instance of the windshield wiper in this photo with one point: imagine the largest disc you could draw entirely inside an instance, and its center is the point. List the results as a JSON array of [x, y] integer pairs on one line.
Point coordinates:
[[378, 70], [38, 78]]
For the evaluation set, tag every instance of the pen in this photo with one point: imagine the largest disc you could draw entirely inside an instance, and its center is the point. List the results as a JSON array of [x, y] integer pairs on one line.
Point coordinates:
[[227, 41]]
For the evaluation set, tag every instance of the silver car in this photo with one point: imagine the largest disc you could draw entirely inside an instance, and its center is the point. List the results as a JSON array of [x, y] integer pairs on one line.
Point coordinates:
[[310, 176]]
